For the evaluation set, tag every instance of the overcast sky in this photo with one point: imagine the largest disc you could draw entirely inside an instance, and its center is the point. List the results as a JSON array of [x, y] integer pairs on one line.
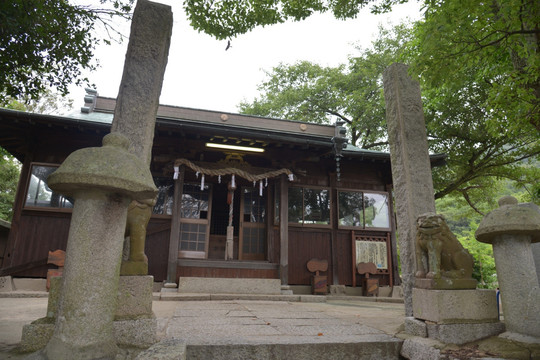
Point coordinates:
[[201, 74]]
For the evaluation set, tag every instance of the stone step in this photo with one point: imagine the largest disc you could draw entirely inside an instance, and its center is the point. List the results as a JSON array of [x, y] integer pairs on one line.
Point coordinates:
[[362, 348], [229, 286]]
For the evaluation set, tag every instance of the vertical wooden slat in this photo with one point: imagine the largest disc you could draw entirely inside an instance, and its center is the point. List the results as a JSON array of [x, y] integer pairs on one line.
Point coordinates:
[[175, 227], [284, 231]]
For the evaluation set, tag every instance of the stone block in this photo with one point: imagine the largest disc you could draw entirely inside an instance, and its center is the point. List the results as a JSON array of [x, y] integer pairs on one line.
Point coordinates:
[[28, 284], [134, 296], [35, 336], [415, 327], [54, 296], [6, 284], [463, 333], [397, 292], [229, 286], [138, 332], [455, 306], [421, 348], [337, 289], [170, 349]]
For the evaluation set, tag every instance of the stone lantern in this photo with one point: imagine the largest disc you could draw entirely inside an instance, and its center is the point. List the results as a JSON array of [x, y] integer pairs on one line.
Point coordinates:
[[511, 229]]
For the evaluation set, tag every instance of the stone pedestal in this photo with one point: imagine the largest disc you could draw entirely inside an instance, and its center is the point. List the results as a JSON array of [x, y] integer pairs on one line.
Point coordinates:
[[134, 322], [454, 316]]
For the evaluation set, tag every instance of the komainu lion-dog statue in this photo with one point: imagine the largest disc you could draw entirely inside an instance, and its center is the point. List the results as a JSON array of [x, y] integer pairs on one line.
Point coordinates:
[[444, 255], [139, 213]]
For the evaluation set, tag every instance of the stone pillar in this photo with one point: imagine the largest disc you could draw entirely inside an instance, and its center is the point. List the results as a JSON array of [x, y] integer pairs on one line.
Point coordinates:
[[144, 68], [103, 181], [510, 229], [136, 109], [411, 169]]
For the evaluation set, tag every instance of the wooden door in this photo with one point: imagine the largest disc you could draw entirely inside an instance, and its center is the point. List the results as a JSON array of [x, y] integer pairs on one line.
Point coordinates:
[[252, 232], [195, 213]]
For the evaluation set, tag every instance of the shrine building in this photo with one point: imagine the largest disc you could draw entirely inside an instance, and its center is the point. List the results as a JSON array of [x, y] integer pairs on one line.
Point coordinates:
[[289, 191]]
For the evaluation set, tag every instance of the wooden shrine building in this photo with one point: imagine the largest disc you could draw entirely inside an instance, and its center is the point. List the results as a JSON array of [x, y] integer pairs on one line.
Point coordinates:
[[301, 193]]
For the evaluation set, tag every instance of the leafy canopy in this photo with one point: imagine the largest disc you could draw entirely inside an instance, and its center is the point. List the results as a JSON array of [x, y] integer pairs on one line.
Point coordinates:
[[226, 19], [47, 43], [457, 116]]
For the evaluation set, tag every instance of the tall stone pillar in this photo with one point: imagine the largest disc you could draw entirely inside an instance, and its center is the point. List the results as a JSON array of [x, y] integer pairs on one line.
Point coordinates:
[[144, 68], [136, 109], [411, 169]]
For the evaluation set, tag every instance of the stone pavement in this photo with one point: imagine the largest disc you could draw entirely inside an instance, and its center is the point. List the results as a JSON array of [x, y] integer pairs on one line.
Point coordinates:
[[210, 327], [276, 327]]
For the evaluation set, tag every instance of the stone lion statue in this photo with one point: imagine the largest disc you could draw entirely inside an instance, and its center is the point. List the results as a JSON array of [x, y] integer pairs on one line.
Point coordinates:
[[437, 247], [139, 213]]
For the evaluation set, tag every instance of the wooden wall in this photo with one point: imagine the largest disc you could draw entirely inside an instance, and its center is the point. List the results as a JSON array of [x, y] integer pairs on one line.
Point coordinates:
[[304, 245], [38, 233]]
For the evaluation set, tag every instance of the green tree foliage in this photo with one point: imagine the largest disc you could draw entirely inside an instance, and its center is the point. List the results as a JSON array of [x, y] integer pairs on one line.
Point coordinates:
[[225, 19], [456, 116], [46, 43], [9, 177], [352, 92], [494, 45], [47, 103]]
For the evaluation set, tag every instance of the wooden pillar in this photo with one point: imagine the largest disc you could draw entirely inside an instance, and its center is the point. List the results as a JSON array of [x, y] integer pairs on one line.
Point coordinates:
[[393, 240], [175, 227], [270, 245], [284, 231]]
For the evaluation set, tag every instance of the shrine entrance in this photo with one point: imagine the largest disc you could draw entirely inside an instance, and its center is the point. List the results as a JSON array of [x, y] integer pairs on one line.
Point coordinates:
[[227, 203]]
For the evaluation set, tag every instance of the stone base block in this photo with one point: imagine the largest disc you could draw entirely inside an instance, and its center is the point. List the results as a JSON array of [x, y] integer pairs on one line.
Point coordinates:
[[229, 286], [140, 333], [337, 289], [134, 296], [170, 349], [415, 327], [6, 284], [421, 348], [446, 284], [35, 337], [455, 306], [463, 333]]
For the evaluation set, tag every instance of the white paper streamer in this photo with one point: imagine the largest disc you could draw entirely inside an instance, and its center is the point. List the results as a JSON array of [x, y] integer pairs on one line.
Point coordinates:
[[176, 170], [254, 183], [291, 177], [219, 179], [202, 182], [266, 182], [260, 188], [233, 184], [197, 174]]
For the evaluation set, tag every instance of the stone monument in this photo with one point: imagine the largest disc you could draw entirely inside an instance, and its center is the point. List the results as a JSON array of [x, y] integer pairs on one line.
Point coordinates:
[[444, 303], [136, 109], [411, 169], [511, 229]]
